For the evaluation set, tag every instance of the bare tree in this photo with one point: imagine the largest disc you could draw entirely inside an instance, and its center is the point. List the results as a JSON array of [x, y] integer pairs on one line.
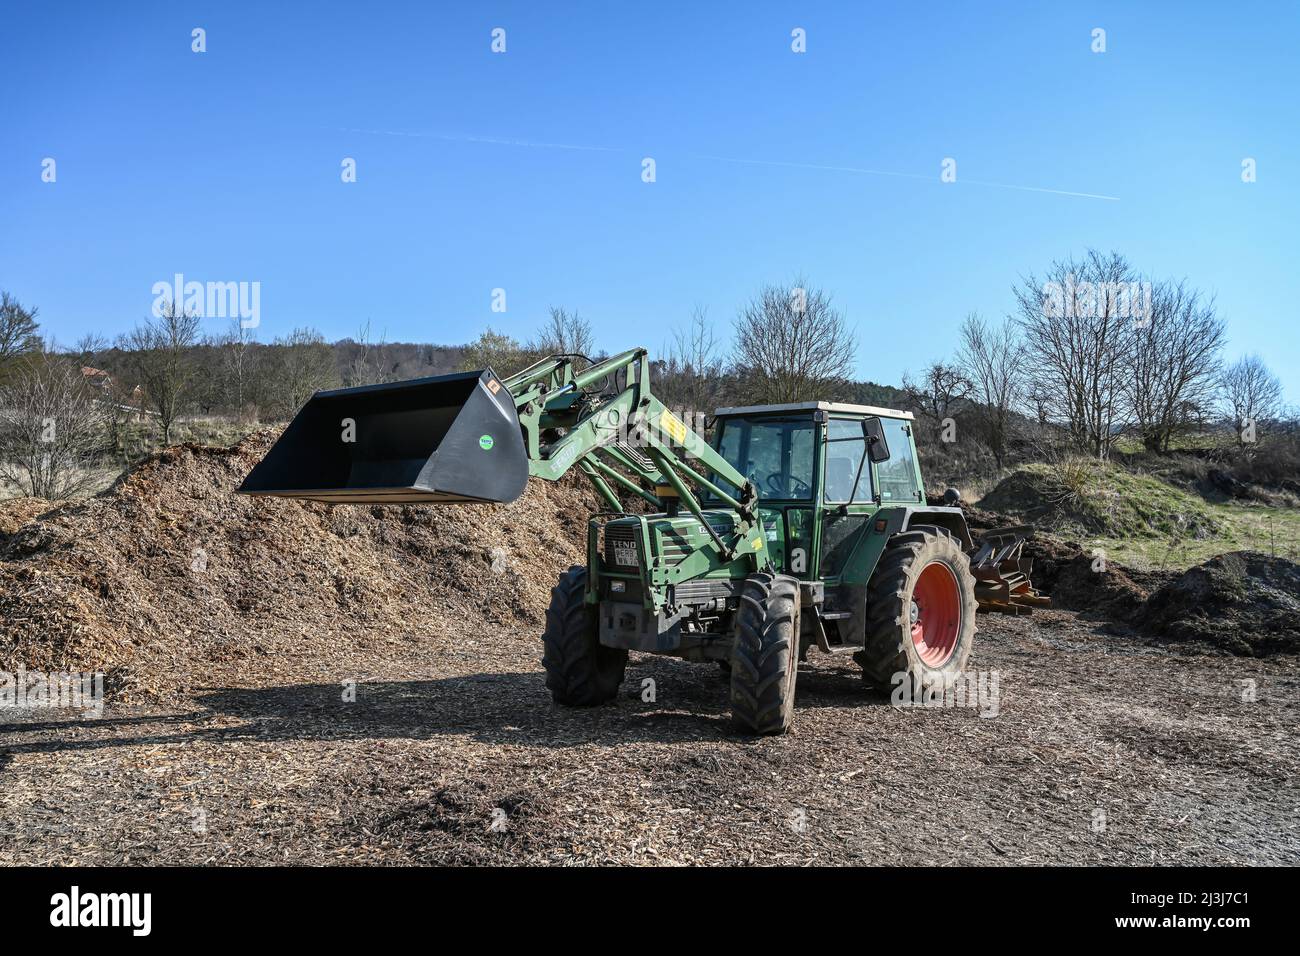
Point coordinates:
[[791, 345], [88, 354], [1175, 364], [367, 366], [990, 359], [692, 369], [238, 361], [1077, 325], [565, 333], [89, 349], [305, 366], [18, 329], [1251, 393], [937, 394], [158, 355], [52, 428]]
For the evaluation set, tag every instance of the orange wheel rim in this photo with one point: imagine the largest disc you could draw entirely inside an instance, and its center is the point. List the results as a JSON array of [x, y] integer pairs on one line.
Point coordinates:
[[936, 614]]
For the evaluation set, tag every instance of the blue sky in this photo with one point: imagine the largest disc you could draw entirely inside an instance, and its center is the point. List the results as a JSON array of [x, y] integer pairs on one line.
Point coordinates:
[[225, 165]]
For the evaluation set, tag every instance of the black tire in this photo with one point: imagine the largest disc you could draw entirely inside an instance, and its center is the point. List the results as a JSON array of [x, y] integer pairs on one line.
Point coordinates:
[[890, 648], [765, 656], [580, 671]]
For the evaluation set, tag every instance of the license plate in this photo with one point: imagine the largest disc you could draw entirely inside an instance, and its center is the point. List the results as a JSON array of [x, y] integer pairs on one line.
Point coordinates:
[[625, 554]]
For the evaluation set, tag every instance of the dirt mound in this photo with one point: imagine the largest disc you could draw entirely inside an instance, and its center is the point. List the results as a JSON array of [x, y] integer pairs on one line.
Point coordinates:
[[1050, 556], [1244, 602], [1080, 580], [1084, 584], [1023, 493], [170, 580]]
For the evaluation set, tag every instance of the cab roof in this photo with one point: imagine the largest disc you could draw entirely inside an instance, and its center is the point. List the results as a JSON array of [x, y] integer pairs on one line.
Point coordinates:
[[815, 406]]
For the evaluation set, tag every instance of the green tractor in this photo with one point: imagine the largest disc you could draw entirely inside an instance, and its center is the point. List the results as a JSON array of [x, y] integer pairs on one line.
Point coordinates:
[[801, 525]]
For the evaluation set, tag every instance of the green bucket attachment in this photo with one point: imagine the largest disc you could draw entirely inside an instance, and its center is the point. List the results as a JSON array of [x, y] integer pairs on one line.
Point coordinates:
[[450, 438]]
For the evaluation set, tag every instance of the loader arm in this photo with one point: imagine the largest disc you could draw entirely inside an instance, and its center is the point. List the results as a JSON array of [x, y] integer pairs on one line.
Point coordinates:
[[627, 437]]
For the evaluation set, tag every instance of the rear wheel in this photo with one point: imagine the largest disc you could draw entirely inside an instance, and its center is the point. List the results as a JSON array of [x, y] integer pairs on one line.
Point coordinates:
[[765, 657], [920, 612], [580, 671]]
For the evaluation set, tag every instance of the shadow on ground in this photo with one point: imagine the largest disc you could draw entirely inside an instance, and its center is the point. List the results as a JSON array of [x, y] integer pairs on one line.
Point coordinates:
[[496, 708]]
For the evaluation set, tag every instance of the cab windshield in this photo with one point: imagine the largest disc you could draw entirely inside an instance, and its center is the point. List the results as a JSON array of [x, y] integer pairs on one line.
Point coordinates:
[[775, 454]]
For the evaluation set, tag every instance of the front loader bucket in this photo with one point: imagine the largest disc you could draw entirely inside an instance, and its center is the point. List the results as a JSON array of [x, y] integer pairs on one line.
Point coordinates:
[[442, 439]]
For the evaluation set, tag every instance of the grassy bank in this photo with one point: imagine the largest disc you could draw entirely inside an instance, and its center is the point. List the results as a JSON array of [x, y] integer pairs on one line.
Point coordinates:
[[1139, 519], [1271, 530]]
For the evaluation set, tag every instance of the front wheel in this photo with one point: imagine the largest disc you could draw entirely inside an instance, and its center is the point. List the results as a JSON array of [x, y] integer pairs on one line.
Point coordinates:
[[580, 671], [765, 656], [920, 612]]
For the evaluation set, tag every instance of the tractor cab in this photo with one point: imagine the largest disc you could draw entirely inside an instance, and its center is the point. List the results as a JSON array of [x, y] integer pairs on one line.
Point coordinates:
[[822, 471]]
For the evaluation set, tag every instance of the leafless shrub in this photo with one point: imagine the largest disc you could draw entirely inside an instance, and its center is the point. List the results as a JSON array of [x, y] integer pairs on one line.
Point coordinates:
[[1071, 476], [692, 370], [52, 428], [565, 333], [159, 356], [792, 345], [367, 366], [1069, 471]]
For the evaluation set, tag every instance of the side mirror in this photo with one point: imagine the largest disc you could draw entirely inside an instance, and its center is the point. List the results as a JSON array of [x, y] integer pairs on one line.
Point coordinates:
[[874, 434]]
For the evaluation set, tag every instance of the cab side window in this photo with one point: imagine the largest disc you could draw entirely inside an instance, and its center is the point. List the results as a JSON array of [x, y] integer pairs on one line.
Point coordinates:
[[897, 476], [843, 456]]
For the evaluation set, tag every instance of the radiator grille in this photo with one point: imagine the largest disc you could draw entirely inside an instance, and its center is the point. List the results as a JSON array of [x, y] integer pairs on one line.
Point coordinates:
[[620, 544]]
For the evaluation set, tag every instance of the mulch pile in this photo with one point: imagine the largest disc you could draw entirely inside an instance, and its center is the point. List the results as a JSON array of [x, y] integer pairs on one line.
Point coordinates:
[[16, 512], [1244, 602], [169, 578], [169, 581]]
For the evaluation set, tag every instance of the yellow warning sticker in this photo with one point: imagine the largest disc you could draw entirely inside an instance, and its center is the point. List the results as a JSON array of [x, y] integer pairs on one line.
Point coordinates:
[[757, 544], [675, 429], [494, 386]]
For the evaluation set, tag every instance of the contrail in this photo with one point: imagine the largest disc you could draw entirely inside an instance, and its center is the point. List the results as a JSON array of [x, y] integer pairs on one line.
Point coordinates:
[[886, 172], [491, 140], [498, 141], [833, 169]]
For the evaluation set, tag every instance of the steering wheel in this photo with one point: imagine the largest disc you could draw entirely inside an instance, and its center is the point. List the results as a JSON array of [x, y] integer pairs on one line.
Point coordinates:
[[779, 487]]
